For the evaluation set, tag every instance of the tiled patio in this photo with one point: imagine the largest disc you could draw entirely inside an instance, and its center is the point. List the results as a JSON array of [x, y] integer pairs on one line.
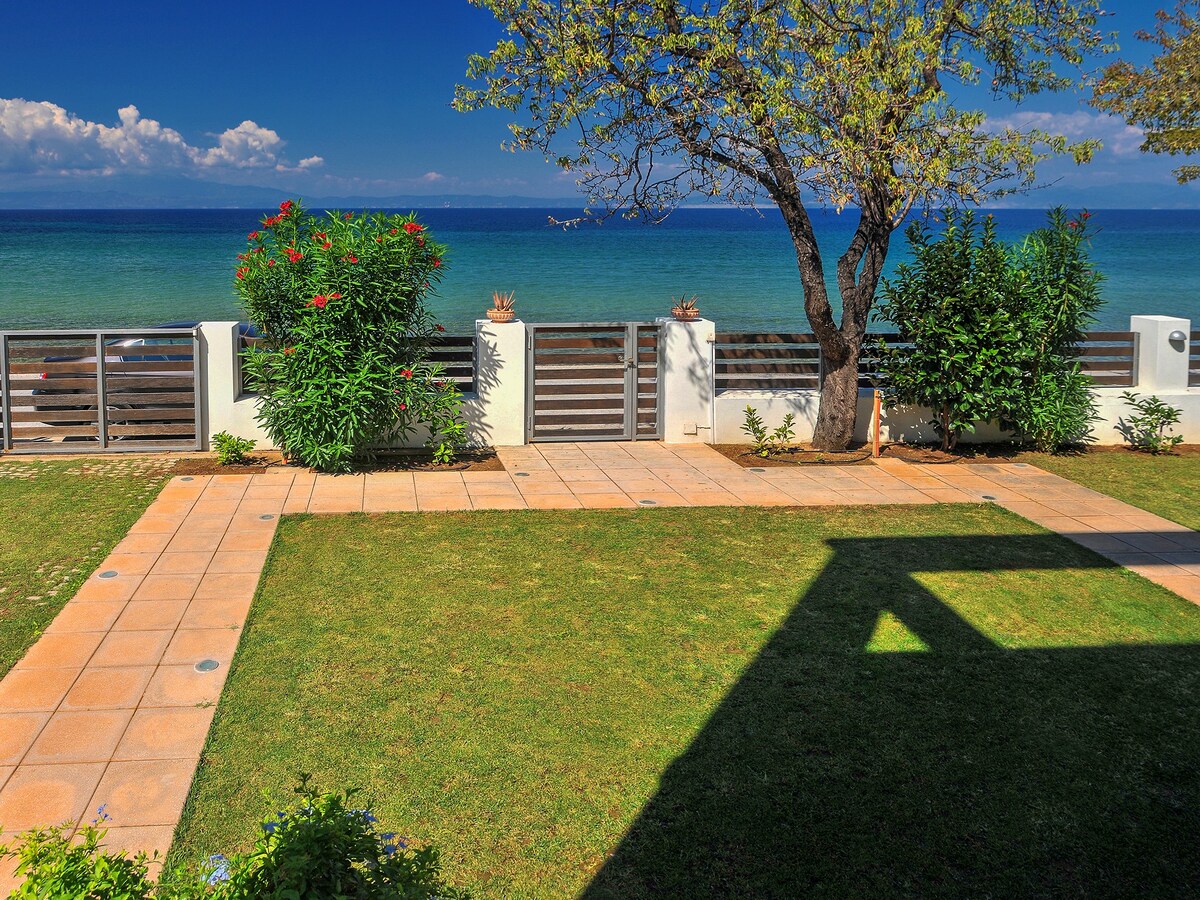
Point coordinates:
[[112, 706]]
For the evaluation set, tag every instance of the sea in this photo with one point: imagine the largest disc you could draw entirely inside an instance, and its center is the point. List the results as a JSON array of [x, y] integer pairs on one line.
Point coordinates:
[[137, 268]]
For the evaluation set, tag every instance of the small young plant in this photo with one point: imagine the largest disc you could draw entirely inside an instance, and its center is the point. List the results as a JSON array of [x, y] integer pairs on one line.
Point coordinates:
[[1148, 429], [231, 450], [768, 443]]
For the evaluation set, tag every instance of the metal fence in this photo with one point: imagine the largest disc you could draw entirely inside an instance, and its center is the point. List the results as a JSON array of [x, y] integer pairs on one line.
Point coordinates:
[[74, 391], [455, 353], [1194, 360], [771, 361]]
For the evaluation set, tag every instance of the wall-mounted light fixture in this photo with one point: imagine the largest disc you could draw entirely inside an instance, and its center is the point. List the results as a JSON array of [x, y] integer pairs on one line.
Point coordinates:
[[1177, 337]]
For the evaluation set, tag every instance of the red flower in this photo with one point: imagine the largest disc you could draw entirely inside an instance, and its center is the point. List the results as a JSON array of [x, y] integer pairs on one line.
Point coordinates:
[[319, 301], [436, 263], [252, 236], [295, 256], [412, 228], [379, 240], [393, 231], [1072, 224], [270, 262], [404, 406], [241, 272], [350, 259], [259, 249], [272, 221], [440, 327], [285, 207], [348, 216], [288, 351], [406, 373], [243, 256], [335, 296], [420, 242], [326, 245]]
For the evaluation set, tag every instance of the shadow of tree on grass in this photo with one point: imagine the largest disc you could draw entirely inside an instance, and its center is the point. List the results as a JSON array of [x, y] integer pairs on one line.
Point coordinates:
[[966, 769]]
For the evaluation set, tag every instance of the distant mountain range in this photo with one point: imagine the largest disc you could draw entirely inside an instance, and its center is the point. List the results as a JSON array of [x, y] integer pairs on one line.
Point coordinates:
[[182, 193], [151, 192]]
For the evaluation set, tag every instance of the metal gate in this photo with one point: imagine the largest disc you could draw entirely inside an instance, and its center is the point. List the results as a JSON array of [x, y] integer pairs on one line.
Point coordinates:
[[87, 391], [593, 381]]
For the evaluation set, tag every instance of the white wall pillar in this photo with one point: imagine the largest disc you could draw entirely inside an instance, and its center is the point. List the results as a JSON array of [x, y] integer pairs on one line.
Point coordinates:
[[221, 409], [1162, 362], [686, 386], [497, 414]]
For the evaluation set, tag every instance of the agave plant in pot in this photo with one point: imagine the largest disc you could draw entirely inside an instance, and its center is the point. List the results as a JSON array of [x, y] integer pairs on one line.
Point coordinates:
[[502, 307], [685, 309]]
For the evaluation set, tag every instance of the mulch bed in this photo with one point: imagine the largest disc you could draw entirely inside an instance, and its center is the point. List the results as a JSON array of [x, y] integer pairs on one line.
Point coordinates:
[[799, 455], [470, 461], [1000, 453]]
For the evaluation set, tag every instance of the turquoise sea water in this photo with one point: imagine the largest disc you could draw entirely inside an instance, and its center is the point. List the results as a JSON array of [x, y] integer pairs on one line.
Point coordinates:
[[144, 267]]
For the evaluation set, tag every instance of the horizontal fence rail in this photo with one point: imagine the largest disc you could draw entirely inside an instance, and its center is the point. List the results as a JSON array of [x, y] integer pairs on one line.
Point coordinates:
[[1194, 361], [773, 361], [455, 353], [81, 391]]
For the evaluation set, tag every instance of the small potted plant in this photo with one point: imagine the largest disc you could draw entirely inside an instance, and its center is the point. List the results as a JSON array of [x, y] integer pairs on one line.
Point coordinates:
[[502, 307], [685, 310]]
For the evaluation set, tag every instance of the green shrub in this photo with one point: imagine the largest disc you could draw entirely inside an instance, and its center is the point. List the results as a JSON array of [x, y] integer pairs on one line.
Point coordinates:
[[323, 847], [230, 450], [954, 304], [993, 329], [1148, 429], [344, 362], [1059, 294], [53, 865], [767, 443]]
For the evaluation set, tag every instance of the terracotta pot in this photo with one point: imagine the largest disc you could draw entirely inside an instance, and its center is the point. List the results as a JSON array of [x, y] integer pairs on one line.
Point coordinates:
[[501, 315], [685, 315]]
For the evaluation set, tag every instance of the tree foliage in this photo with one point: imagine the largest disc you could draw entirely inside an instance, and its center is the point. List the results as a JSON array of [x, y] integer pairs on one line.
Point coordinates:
[[800, 102], [1163, 97]]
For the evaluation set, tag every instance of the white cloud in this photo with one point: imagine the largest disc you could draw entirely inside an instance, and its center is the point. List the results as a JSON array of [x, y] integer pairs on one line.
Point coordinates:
[[39, 137], [432, 177], [1119, 138]]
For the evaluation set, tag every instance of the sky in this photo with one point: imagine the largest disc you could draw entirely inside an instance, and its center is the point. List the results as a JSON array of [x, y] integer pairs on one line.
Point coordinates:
[[351, 100]]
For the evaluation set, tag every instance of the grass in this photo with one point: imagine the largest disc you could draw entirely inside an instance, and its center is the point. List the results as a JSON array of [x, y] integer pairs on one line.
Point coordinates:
[[1167, 485], [722, 702], [61, 518]]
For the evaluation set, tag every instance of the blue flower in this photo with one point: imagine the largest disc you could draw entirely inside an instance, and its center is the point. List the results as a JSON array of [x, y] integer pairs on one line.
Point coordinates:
[[220, 869], [101, 815], [389, 849], [269, 827]]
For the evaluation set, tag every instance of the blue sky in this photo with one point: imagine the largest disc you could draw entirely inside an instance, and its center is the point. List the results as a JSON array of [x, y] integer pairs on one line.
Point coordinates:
[[341, 99]]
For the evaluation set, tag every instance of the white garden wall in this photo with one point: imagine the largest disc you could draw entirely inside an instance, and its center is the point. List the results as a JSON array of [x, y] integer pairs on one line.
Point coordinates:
[[691, 409]]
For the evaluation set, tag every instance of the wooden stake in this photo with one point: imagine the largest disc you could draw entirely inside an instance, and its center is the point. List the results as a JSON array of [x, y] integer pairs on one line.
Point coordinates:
[[875, 416]]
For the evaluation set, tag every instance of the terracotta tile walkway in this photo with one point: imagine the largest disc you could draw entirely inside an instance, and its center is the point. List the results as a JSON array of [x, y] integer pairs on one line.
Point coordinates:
[[113, 704]]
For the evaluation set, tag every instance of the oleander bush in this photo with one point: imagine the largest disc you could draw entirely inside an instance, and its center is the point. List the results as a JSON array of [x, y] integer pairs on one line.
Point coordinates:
[[343, 367], [322, 847]]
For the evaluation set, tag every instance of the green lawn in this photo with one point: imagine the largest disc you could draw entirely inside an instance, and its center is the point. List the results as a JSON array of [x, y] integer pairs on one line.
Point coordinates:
[[1168, 485], [723, 702], [60, 519]]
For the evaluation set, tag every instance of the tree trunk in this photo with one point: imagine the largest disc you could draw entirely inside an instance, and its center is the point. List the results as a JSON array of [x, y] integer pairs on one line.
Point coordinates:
[[838, 410]]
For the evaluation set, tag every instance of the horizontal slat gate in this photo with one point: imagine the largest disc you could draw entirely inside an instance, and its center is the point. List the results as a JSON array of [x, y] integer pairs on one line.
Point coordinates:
[[1194, 361], [82, 391], [594, 382]]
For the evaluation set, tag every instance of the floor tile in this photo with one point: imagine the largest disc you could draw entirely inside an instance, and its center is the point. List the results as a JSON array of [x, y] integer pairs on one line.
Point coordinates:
[[131, 648], [190, 646], [61, 650], [238, 562], [144, 792], [117, 687], [177, 733], [227, 586], [80, 736], [220, 613], [191, 563], [167, 587], [46, 795], [97, 616], [183, 686], [17, 734], [30, 690], [151, 615]]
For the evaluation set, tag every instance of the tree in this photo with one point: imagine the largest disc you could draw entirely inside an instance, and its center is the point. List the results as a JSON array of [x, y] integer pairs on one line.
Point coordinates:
[[1162, 98], [825, 102]]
